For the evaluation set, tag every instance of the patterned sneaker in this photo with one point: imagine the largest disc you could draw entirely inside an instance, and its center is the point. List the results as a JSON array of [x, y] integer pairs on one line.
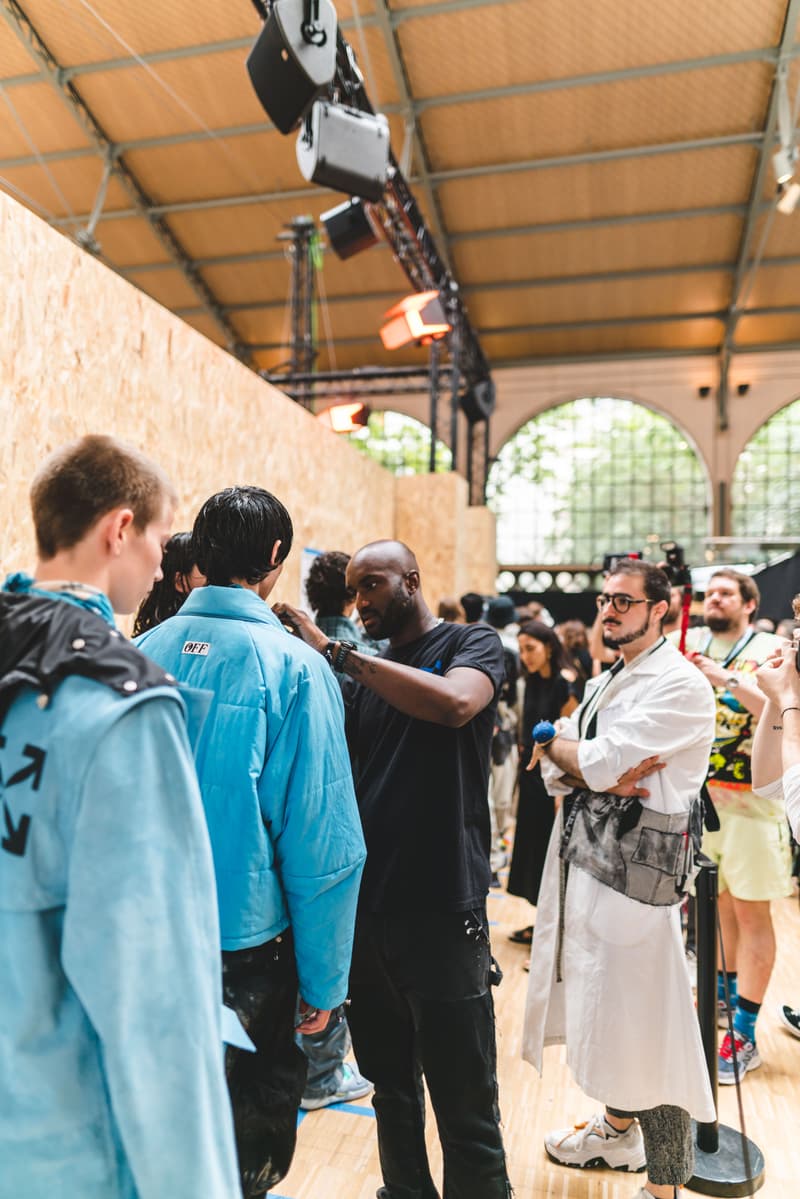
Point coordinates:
[[790, 1018], [746, 1052], [352, 1085], [596, 1143]]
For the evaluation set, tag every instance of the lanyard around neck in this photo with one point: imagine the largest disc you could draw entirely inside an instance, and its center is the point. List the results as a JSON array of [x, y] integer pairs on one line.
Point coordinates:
[[745, 639]]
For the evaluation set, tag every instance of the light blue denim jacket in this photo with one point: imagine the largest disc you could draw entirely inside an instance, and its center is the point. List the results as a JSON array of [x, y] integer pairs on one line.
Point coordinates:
[[111, 1077], [276, 782]]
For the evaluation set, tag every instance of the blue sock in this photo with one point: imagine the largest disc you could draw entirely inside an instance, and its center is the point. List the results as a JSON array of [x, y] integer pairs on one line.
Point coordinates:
[[732, 986], [744, 1022]]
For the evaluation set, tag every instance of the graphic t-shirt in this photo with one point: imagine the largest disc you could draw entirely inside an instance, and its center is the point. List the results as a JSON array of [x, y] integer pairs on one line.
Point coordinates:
[[729, 772], [422, 787]]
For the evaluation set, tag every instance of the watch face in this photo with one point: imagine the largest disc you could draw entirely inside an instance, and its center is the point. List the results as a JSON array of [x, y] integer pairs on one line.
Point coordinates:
[[732, 682]]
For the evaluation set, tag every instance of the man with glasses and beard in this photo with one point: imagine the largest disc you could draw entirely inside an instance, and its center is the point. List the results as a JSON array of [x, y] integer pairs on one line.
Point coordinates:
[[751, 844], [419, 725], [608, 972]]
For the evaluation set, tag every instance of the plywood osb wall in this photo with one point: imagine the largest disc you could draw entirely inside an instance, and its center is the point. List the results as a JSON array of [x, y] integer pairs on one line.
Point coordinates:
[[82, 350]]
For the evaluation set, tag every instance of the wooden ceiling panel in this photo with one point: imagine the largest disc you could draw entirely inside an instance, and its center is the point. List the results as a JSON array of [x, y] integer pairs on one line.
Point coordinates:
[[170, 288], [206, 325], [14, 58], [659, 184], [66, 187], [775, 286], [588, 301], [211, 168], [243, 229], [34, 118], [606, 341], [242, 283], [640, 112], [768, 330], [187, 94], [129, 241], [80, 32], [666, 243], [513, 43], [784, 236]]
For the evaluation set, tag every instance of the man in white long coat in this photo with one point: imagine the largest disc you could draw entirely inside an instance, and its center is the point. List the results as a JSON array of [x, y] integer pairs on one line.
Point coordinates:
[[621, 999]]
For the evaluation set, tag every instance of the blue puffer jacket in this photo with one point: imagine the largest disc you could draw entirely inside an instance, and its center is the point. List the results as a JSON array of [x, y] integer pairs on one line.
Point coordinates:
[[111, 1076], [276, 782]]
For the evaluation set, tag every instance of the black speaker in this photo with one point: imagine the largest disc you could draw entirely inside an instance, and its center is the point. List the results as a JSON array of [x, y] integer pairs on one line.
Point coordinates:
[[349, 228], [292, 63], [477, 402], [345, 149]]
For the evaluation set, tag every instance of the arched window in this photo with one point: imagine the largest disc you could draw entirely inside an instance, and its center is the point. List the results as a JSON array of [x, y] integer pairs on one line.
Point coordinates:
[[597, 476], [400, 443], [765, 495]]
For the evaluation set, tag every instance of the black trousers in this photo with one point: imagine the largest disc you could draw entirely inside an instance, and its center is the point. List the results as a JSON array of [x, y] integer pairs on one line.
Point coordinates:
[[265, 1087], [421, 1004]]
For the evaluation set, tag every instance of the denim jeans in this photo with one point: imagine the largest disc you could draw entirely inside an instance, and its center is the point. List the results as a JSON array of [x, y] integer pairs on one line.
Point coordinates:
[[421, 1004], [266, 1086]]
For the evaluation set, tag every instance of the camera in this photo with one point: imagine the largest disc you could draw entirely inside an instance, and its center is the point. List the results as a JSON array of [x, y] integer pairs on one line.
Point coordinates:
[[611, 561], [674, 565]]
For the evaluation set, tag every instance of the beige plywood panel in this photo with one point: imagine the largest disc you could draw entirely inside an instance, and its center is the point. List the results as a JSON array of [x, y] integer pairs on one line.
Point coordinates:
[[183, 94], [129, 241], [215, 167], [80, 33], [511, 43], [621, 298], [65, 188], [641, 112], [93, 353], [662, 243], [768, 330], [697, 179], [34, 118], [170, 288], [613, 340]]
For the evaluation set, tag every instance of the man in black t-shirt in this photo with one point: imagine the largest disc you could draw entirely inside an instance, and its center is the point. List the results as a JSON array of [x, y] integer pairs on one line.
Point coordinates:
[[420, 720]]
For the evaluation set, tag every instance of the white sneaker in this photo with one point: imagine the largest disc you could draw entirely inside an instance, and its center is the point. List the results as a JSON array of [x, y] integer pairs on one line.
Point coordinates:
[[596, 1143], [352, 1085]]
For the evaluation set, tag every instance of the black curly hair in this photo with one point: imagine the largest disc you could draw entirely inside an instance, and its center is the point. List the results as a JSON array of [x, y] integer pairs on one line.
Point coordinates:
[[165, 598], [234, 533], [325, 586]]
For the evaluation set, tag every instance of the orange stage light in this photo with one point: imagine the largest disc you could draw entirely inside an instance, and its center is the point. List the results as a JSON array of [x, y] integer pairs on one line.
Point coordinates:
[[345, 418], [419, 317]]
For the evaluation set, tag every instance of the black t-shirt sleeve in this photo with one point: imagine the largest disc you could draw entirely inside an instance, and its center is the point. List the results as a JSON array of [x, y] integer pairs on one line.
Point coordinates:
[[479, 648]]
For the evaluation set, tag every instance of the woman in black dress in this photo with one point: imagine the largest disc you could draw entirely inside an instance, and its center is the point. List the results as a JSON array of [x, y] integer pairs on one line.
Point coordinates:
[[549, 693]]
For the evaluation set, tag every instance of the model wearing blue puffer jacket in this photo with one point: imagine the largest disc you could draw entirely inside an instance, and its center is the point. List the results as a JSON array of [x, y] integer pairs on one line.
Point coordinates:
[[111, 1063], [278, 795]]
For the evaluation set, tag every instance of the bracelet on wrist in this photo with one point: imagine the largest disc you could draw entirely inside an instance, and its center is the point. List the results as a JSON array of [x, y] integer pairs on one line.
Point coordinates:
[[791, 708], [343, 652]]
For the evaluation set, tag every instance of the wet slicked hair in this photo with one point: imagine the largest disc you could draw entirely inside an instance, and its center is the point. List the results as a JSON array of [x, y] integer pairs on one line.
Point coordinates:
[[88, 478], [234, 533]]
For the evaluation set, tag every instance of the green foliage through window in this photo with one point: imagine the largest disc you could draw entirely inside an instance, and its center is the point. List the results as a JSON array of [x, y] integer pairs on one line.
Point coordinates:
[[765, 496], [400, 443], [597, 476]]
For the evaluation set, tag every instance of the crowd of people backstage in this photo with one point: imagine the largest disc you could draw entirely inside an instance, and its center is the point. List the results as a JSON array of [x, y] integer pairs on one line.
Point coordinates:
[[708, 703], [219, 834]]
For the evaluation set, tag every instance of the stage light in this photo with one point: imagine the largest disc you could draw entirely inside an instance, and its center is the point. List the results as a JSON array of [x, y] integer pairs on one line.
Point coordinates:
[[345, 418], [350, 228], [345, 149], [783, 162], [419, 317], [293, 59], [789, 195]]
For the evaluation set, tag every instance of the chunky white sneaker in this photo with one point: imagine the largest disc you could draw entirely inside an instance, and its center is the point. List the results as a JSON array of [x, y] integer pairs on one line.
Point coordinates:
[[746, 1053], [790, 1018], [596, 1143], [352, 1085]]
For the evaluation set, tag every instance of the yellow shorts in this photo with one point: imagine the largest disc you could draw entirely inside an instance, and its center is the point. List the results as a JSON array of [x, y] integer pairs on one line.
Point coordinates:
[[753, 856]]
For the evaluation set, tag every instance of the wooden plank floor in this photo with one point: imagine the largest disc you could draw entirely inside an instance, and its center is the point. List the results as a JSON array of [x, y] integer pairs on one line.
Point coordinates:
[[336, 1154]]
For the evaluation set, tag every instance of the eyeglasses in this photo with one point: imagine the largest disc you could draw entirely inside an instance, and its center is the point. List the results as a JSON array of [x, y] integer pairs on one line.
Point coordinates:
[[620, 603]]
